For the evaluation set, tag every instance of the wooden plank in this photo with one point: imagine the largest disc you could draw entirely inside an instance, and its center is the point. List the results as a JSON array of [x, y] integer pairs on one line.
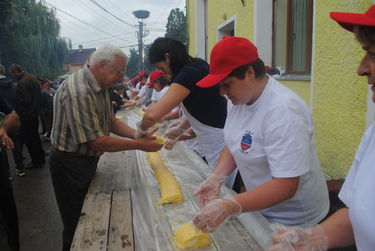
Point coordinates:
[[112, 173], [121, 226], [92, 229]]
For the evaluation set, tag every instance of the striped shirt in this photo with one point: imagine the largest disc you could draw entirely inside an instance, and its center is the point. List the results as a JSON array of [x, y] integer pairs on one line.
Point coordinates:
[[82, 113]]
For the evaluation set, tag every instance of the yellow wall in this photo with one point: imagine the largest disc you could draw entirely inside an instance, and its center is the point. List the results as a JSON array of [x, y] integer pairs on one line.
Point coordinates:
[[190, 12], [218, 12], [221, 10], [339, 100], [302, 88]]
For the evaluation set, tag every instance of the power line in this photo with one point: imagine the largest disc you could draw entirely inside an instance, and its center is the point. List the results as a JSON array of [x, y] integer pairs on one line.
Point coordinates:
[[66, 13], [94, 11], [101, 7], [103, 38], [121, 9], [75, 28]]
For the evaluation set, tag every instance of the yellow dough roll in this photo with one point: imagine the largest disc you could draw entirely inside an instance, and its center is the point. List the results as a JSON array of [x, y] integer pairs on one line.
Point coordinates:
[[187, 236], [170, 190], [159, 140]]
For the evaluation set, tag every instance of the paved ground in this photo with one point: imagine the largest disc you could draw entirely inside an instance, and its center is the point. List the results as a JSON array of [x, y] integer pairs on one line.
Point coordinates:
[[39, 219]]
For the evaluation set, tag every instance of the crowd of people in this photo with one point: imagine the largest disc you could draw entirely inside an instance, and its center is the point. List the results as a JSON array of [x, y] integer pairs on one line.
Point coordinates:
[[255, 134]]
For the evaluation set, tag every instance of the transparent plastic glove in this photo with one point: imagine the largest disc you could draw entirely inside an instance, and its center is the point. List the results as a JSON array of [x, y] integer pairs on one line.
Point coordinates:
[[299, 239], [209, 189], [173, 132], [215, 213], [169, 144], [139, 133]]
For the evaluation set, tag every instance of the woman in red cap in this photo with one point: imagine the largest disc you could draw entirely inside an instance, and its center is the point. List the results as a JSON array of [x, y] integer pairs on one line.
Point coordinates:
[[269, 137], [354, 224], [204, 108]]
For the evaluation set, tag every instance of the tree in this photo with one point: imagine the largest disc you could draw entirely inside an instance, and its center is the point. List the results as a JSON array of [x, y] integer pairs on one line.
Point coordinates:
[[176, 26], [146, 61], [30, 37], [132, 68]]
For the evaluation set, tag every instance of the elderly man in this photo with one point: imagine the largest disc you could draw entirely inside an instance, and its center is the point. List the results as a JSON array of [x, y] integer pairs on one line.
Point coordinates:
[[82, 122]]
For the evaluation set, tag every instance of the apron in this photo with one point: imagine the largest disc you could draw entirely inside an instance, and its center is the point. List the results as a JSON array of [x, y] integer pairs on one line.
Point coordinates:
[[211, 142]]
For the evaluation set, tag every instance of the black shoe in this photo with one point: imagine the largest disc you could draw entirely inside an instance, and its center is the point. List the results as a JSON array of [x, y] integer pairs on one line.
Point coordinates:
[[33, 166]]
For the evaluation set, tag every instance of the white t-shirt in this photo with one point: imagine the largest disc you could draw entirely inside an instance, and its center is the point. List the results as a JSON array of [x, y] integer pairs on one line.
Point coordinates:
[[156, 95], [357, 193], [142, 91], [274, 137]]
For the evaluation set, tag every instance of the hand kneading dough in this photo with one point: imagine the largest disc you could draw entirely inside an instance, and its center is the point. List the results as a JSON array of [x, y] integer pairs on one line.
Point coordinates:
[[159, 140], [188, 236], [170, 190]]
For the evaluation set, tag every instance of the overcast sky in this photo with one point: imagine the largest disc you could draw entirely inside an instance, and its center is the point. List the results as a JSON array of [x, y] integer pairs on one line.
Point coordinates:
[[86, 23]]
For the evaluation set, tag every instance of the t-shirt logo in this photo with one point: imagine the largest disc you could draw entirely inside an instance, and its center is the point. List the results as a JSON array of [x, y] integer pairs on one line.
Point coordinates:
[[246, 142]]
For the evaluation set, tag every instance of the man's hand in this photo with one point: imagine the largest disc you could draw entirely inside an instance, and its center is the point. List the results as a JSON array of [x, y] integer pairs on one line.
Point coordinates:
[[148, 144], [5, 141]]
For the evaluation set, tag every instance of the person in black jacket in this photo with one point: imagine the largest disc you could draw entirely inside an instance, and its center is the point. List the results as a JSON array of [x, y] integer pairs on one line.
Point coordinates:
[[28, 106], [8, 93], [9, 233]]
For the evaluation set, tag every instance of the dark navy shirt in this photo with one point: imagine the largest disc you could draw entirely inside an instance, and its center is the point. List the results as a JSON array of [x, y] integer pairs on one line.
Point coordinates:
[[5, 107], [204, 104]]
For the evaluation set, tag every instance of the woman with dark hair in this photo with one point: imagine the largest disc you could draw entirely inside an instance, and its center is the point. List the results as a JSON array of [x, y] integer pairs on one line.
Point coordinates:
[[204, 108]]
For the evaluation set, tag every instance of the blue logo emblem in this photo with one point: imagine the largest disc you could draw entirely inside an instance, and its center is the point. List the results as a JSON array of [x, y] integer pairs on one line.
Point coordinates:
[[246, 142]]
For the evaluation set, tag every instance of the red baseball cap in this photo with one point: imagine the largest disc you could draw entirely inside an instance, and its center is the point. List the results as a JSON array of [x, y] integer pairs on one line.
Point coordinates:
[[155, 75], [349, 20], [227, 55], [141, 74]]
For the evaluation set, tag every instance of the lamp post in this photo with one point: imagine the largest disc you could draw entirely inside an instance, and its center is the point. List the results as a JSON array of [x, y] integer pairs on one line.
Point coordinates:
[[141, 15]]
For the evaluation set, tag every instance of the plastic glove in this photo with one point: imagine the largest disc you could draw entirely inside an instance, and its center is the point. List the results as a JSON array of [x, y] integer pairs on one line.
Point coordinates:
[[209, 189], [299, 239], [215, 213], [139, 133], [169, 144], [173, 132]]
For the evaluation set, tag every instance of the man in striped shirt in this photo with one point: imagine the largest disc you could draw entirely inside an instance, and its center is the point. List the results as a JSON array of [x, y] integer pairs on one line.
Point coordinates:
[[82, 122]]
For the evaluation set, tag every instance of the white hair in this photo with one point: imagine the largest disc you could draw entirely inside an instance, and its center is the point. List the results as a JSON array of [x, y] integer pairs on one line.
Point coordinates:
[[108, 53]]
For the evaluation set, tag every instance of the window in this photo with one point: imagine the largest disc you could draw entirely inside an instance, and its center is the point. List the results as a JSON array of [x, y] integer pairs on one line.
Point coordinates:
[[226, 29], [292, 35]]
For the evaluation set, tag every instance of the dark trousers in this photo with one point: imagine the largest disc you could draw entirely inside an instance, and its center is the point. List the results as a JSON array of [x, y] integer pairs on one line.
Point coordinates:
[[46, 117], [71, 178], [30, 135], [17, 151], [8, 210]]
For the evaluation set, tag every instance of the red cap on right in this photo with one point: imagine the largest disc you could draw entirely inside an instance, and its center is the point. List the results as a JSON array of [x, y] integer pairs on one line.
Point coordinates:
[[227, 55], [349, 20]]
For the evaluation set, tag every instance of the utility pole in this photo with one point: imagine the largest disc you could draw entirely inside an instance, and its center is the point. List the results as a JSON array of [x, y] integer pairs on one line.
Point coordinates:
[[141, 15]]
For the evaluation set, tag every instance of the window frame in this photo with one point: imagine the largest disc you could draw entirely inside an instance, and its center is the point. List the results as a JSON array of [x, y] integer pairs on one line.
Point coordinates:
[[289, 38]]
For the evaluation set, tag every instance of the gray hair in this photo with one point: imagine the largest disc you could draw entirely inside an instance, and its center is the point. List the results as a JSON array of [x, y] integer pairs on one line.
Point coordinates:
[[108, 53], [2, 69]]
